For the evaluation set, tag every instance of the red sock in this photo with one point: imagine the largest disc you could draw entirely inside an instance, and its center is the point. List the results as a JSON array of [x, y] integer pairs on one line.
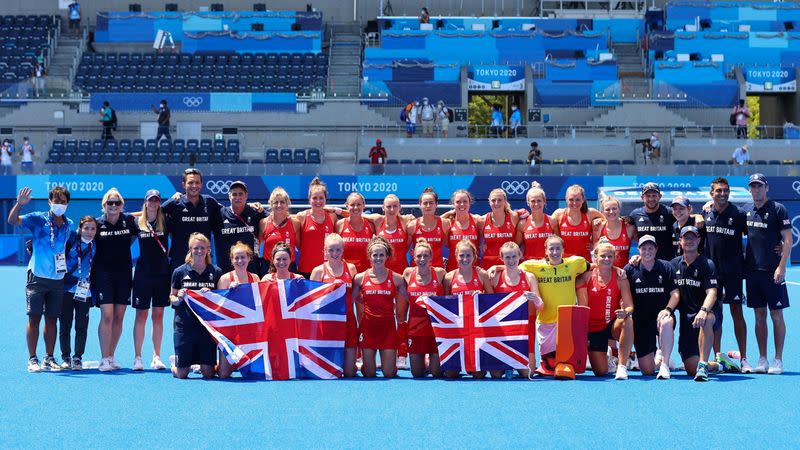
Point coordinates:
[[402, 336]]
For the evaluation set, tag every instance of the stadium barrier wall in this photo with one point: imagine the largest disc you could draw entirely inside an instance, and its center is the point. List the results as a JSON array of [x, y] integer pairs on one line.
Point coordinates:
[[198, 101]]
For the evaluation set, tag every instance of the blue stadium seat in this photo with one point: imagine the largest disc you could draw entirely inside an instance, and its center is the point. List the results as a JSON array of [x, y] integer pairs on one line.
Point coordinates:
[[679, 162], [585, 162], [462, 161], [229, 156], [490, 161], [419, 162], [192, 146], [179, 146], [628, 162], [299, 156], [285, 156], [774, 162], [760, 162], [84, 146], [573, 162], [600, 162], [517, 162], [392, 162], [314, 156], [692, 162], [164, 145], [706, 162], [720, 162], [434, 161], [206, 144], [150, 146], [406, 162], [364, 161], [271, 156]]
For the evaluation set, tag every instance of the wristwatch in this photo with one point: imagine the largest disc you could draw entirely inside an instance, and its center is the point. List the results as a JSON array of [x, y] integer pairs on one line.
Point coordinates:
[[704, 309]]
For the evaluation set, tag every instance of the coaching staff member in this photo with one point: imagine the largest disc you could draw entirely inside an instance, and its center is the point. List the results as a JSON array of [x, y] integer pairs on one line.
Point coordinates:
[[655, 219]]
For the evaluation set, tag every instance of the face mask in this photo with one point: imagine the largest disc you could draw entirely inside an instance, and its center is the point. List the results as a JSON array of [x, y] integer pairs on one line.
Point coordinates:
[[57, 209], [85, 241]]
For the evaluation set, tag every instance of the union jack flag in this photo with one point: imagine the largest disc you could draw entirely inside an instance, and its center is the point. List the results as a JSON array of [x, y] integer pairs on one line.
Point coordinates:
[[298, 325], [480, 332]]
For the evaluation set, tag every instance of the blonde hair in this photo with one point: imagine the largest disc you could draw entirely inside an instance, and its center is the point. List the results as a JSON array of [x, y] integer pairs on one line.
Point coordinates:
[[603, 244], [609, 198], [333, 238], [239, 245], [379, 241], [510, 245], [422, 243], [536, 189], [357, 194], [505, 198], [110, 193], [468, 244], [201, 238], [316, 184], [142, 220], [279, 193]]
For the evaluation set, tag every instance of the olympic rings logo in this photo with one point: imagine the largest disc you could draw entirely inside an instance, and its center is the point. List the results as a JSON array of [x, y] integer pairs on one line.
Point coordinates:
[[796, 186], [219, 186], [795, 231], [192, 102], [515, 187]]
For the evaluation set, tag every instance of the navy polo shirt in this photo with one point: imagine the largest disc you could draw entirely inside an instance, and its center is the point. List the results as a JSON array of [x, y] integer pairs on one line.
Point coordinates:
[[764, 226], [233, 228], [692, 281], [114, 244], [659, 225], [152, 256], [650, 289], [185, 218], [724, 246], [676, 236], [184, 277]]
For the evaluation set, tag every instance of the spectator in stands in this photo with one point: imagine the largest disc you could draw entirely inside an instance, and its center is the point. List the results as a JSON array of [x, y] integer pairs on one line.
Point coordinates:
[[515, 121], [5, 156], [427, 115], [496, 125], [655, 146], [377, 154], [27, 155], [163, 120], [443, 117], [411, 118], [37, 77], [424, 16], [107, 119], [741, 156], [739, 117], [75, 16], [534, 154]]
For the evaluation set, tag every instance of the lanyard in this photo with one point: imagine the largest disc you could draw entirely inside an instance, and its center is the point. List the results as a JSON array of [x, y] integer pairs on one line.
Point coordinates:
[[244, 222], [52, 224], [80, 258], [158, 241]]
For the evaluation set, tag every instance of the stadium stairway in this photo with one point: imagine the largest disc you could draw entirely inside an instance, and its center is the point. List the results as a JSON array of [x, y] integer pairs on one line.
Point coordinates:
[[65, 57], [344, 69], [640, 115]]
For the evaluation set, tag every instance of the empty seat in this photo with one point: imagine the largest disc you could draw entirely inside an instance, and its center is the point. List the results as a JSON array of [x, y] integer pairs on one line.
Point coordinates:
[[299, 155], [271, 156], [285, 155], [314, 156]]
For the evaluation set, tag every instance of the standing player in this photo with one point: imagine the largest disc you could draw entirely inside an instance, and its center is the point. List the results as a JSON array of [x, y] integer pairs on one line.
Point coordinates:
[[190, 212], [356, 232], [557, 278], [111, 275], [430, 226], [574, 223], [238, 223], [280, 225], [335, 268], [682, 212], [392, 227], [381, 301], [655, 219], [696, 278], [616, 230], [499, 227], [655, 298], [768, 225], [316, 224], [193, 343], [463, 225], [422, 281], [537, 227], [151, 279], [610, 311], [725, 224]]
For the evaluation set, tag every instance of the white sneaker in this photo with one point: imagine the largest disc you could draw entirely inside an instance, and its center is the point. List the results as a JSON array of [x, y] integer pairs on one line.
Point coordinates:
[[746, 367], [633, 362], [622, 373], [658, 358], [105, 365], [172, 359], [33, 365], [776, 368], [114, 363], [157, 364], [663, 372], [195, 368], [401, 363], [612, 363], [762, 365], [137, 363]]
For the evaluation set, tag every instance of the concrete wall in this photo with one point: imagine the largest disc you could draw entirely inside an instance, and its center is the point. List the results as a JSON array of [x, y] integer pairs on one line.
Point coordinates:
[[723, 148]]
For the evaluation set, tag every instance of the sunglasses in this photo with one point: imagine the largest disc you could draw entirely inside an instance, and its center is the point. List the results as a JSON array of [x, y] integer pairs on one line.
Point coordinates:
[[114, 203], [191, 171]]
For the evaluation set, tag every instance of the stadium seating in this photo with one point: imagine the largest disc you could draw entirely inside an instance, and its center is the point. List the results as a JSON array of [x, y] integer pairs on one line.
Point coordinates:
[[178, 151], [22, 38]]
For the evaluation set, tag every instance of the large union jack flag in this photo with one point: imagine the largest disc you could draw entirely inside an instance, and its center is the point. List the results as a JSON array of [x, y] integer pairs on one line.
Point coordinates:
[[480, 332], [277, 330]]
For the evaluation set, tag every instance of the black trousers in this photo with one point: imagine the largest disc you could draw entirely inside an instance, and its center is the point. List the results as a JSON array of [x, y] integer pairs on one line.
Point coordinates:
[[163, 131], [80, 311], [107, 131]]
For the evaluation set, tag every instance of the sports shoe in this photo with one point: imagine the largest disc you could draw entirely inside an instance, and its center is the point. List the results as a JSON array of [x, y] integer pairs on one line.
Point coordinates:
[[762, 365], [657, 358], [172, 359], [713, 367], [33, 365], [157, 364], [65, 364], [195, 368], [776, 368], [728, 364], [612, 361], [746, 367], [622, 373], [401, 363], [114, 363], [105, 365], [702, 372], [137, 363], [77, 363], [50, 364], [663, 372], [633, 362]]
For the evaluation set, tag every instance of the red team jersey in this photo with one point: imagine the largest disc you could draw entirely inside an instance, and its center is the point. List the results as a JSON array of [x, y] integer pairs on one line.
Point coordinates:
[[355, 244], [603, 301], [455, 236], [378, 330], [312, 246], [274, 234], [398, 239], [521, 286], [474, 286], [577, 238], [495, 237], [534, 237], [622, 246], [435, 238], [351, 338], [418, 322]]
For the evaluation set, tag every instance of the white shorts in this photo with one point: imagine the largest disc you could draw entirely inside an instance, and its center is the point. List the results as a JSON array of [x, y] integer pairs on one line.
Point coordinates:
[[546, 337]]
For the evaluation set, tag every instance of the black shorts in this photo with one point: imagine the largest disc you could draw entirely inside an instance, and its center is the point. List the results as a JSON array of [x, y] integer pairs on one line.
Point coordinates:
[[688, 344], [194, 346], [151, 289], [645, 333], [598, 340], [762, 291], [111, 288], [729, 290], [43, 296]]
